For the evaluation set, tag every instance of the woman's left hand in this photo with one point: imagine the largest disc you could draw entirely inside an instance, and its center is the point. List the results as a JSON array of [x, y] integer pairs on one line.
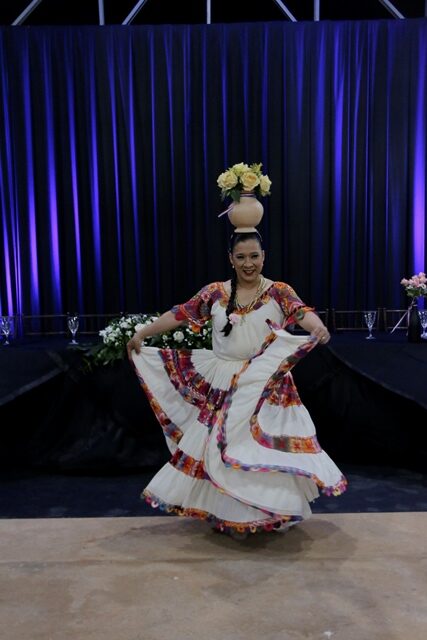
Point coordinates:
[[322, 334], [313, 324]]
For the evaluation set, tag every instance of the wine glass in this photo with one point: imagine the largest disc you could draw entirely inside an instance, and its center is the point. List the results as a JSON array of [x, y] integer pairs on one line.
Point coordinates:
[[6, 327], [73, 326], [370, 317], [423, 319]]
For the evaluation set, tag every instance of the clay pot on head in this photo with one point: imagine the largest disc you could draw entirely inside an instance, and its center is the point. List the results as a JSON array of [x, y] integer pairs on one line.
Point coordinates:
[[246, 214]]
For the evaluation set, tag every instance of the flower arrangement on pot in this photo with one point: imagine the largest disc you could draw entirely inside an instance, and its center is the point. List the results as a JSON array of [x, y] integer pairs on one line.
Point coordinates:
[[242, 177], [243, 183]]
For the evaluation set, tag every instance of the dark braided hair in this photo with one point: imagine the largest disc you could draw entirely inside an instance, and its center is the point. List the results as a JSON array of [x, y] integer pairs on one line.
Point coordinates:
[[235, 238], [231, 302]]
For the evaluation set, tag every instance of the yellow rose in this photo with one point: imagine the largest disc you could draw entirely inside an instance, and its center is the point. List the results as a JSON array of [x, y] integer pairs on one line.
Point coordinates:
[[242, 176], [227, 180], [249, 180]]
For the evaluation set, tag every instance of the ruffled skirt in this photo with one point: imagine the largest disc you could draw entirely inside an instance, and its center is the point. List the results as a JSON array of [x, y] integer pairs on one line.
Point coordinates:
[[245, 455]]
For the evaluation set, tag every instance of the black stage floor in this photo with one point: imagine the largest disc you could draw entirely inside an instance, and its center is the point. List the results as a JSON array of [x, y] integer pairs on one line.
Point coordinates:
[[29, 495], [78, 444]]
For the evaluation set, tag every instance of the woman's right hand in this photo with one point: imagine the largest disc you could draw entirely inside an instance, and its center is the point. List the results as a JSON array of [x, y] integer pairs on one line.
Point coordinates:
[[166, 322], [134, 343]]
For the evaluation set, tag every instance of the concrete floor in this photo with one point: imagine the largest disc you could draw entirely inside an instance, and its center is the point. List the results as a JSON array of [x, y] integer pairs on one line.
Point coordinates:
[[341, 577]]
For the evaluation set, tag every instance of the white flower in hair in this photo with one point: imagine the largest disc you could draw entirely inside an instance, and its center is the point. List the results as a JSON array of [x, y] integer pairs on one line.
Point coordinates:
[[234, 318]]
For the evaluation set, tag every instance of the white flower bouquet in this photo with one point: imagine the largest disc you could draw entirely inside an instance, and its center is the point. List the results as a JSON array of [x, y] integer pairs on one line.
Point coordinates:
[[242, 177], [120, 330]]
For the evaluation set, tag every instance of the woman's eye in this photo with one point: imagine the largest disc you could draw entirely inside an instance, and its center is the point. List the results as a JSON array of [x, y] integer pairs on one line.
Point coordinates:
[[255, 256]]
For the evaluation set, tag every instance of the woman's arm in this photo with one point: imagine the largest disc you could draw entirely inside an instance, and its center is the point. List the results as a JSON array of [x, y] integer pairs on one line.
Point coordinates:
[[166, 322], [313, 324]]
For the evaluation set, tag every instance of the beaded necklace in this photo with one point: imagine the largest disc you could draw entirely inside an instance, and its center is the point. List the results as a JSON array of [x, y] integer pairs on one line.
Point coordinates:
[[248, 307]]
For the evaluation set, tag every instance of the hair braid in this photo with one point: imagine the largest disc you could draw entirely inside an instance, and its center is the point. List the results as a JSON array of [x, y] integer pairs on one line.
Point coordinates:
[[231, 305]]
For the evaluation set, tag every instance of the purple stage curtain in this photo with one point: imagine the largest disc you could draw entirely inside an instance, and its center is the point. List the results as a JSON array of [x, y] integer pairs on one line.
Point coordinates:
[[112, 138]]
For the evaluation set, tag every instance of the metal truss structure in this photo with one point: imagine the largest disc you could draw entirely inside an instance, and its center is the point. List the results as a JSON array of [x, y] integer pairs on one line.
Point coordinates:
[[127, 19]]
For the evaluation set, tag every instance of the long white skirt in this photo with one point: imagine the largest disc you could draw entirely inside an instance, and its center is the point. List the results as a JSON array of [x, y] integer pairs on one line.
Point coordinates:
[[244, 450]]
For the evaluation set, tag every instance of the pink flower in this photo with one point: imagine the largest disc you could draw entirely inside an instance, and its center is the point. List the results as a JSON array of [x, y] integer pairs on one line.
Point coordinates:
[[416, 285], [234, 318]]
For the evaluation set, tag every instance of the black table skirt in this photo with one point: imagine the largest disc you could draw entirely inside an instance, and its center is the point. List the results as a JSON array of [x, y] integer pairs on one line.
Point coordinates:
[[367, 399]]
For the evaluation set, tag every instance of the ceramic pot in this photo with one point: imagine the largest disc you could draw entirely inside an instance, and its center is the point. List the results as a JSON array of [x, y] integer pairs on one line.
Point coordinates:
[[246, 214]]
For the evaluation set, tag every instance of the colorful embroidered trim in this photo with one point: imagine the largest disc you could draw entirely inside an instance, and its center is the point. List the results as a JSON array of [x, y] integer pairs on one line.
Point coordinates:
[[188, 465], [198, 309], [195, 468], [334, 490], [258, 303], [170, 429], [288, 444], [191, 385], [297, 314], [292, 306], [274, 522], [181, 372], [280, 390], [283, 368]]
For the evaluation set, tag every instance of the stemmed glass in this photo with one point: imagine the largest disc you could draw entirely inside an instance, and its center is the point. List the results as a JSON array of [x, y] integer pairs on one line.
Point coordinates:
[[73, 326], [423, 319], [6, 327], [370, 317]]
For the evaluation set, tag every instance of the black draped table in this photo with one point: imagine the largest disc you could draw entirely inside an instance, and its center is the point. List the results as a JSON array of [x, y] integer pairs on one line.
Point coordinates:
[[390, 361], [367, 398]]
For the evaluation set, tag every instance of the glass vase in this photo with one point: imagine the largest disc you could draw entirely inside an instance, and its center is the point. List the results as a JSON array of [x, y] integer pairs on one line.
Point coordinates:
[[414, 323]]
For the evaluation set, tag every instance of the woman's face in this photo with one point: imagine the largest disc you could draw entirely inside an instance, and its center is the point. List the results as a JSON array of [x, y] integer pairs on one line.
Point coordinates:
[[247, 258]]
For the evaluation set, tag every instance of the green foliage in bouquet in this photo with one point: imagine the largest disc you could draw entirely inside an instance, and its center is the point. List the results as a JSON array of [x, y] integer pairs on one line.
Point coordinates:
[[120, 330]]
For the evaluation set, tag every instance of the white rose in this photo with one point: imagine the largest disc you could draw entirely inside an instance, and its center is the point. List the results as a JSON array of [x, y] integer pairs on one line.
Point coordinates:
[[264, 185], [139, 326], [178, 336], [227, 180], [240, 168]]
